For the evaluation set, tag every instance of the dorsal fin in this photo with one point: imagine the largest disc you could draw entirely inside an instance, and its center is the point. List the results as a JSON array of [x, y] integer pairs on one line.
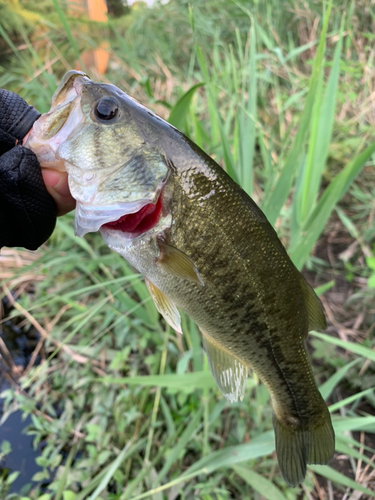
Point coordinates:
[[166, 308], [230, 373], [317, 320]]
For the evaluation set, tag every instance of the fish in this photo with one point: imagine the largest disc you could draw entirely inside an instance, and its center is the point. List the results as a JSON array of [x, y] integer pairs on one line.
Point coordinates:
[[203, 246]]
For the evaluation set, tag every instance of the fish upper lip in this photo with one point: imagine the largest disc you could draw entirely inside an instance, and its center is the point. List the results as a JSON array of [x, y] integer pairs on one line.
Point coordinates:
[[78, 83], [72, 81]]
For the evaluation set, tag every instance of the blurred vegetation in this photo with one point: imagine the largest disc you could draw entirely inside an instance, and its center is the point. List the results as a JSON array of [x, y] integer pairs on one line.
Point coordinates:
[[281, 94]]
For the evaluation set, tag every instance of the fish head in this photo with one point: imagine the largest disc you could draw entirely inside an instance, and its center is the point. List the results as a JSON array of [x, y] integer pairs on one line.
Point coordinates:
[[113, 173]]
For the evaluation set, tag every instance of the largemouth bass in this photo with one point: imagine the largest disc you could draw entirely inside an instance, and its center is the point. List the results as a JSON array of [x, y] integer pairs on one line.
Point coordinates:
[[203, 246]]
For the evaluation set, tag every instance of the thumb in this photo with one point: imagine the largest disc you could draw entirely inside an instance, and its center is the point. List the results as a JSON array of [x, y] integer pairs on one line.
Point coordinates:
[[57, 185]]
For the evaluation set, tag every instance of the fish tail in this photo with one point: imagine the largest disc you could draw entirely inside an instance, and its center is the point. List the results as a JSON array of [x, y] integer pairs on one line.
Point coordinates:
[[299, 445]]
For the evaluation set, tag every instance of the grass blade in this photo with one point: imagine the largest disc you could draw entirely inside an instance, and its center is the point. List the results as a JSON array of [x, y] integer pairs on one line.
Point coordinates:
[[180, 110], [318, 218], [329, 385], [182, 381], [359, 349], [216, 122], [350, 399], [343, 448], [322, 126], [337, 477], [175, 452], [99, 479], [354, 424], [259, 483], [68, 32], [247, 122], [197, 380], [62, 482], [276, 195], [112, 469], [261, 446]]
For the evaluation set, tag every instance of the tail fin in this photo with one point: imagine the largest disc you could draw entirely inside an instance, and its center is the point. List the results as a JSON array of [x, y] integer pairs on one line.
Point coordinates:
[[297, 446]]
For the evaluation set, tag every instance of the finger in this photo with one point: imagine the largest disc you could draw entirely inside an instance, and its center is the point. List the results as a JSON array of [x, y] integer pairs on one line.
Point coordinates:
[[57, 186]]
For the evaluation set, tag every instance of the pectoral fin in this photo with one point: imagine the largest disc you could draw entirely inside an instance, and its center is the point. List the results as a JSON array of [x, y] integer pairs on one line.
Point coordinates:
[[166, 308], [317, 320], [229, 373], [175, 262]]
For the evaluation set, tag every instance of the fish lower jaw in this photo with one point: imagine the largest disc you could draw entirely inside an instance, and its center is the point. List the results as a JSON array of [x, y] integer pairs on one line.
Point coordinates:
[[117, 241]]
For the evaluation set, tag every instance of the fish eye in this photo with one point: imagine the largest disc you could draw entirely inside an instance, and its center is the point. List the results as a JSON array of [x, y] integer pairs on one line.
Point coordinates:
[[106, 109]]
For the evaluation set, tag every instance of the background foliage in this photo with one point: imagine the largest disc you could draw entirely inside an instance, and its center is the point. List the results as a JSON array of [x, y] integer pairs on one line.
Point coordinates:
[[281, 94]]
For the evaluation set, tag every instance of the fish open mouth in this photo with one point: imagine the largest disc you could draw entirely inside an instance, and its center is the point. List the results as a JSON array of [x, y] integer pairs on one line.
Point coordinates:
[[131, 218], [139, 222]]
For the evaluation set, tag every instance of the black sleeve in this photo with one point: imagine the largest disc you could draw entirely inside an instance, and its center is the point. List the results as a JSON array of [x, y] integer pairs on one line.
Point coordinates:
[[16, 119], [27, 210]]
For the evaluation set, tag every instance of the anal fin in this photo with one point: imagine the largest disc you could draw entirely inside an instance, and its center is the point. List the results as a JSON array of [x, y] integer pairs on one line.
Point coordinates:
[[165, 307], [230, 373]]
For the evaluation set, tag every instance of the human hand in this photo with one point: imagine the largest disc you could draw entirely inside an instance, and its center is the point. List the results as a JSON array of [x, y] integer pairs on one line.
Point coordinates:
[[29, 200], [56, 183]]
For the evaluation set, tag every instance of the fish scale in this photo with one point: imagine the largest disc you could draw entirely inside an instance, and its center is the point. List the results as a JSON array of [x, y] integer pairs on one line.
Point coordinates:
[[210, 252]]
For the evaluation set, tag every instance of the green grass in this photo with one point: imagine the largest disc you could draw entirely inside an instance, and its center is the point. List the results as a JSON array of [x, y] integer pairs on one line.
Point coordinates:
[[126, 409]]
